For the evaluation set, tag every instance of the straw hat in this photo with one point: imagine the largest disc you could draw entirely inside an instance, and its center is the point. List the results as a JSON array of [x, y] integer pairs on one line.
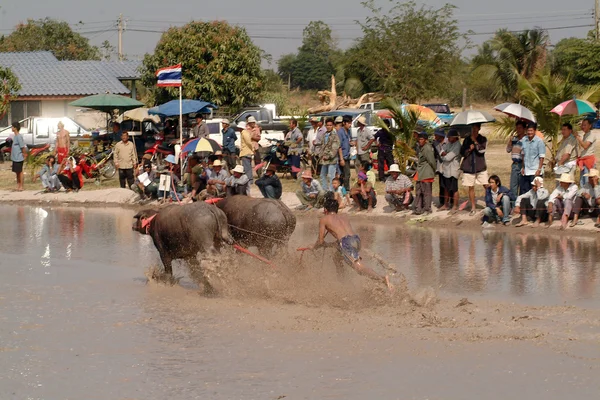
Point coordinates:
[[217, 163], [251, 120], [394, 168], [339, 119], [218, 153], [362, 120], [238, 168], [226, 122], [538, 181], [566, 178], [594, 173], [306, 174]]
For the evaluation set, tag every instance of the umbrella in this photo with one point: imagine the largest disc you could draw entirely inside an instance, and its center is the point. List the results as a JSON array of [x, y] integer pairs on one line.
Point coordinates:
[[574, 107], [107, 102], [471, 117], [426, 115], [138, 114], [202, 145], [171, 108], [516, 110]]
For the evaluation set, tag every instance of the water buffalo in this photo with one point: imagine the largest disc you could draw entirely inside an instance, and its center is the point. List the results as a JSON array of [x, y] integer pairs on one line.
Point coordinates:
[[264, 223], [184, 232]]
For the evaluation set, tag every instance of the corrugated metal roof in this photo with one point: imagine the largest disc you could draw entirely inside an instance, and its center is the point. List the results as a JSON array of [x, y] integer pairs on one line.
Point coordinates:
[[41, 74]]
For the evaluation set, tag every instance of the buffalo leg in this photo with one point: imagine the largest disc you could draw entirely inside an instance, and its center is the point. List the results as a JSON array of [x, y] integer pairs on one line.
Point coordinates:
[[199, 275], [167, 262]]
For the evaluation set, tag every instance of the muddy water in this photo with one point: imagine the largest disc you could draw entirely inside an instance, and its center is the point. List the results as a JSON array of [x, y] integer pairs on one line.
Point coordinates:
[[78, 320]]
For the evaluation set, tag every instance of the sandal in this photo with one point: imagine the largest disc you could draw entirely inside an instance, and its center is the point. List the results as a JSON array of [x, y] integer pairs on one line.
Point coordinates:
[[472, 213]]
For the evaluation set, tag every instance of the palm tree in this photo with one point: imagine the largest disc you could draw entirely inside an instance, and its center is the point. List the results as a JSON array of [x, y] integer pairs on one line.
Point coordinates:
[[509, 56]]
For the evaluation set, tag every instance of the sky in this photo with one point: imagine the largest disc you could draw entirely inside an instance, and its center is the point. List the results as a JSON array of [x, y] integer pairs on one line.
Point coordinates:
[[276, 25]]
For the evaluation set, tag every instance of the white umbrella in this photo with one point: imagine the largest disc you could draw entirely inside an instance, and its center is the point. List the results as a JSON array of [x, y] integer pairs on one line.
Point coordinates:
[[139, 114], [471, 117], [516, 110]]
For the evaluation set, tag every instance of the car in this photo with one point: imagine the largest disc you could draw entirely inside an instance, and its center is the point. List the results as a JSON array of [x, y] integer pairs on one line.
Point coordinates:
[[442, 110]]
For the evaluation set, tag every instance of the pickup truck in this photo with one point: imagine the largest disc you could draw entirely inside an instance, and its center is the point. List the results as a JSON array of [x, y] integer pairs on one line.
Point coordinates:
[[442, 110], [41, 130], [273, 126]]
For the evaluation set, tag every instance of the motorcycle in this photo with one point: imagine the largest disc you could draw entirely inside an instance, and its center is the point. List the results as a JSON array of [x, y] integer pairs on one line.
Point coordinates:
[[100, 165], [276, 154], [32, 150]]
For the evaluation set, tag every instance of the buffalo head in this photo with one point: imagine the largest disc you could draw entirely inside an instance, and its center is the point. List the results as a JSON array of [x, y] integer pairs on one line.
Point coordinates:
[[142, 220]]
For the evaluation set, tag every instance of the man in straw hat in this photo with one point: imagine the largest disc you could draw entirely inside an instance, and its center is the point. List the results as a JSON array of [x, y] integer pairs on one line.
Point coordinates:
[[215, 180], [348, 242], [237, 183], [311, 193], [247, 147], [364, 140], [588, 198], [398, 189], [532, 204], [269, 184], [561, 200]]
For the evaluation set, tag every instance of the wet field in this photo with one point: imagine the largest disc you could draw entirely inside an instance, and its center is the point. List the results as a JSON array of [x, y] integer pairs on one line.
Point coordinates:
[[79, 320]]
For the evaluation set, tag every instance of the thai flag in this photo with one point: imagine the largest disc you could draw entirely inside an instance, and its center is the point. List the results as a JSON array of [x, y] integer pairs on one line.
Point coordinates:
[[169, 76]]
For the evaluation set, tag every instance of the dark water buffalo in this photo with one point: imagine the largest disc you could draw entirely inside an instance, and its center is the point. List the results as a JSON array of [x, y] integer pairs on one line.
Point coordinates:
[[264, 223], [184, 232]]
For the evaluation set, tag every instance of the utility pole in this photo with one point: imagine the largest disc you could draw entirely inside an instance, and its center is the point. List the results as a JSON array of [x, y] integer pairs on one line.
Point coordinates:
[[597, 19], [121, 36]]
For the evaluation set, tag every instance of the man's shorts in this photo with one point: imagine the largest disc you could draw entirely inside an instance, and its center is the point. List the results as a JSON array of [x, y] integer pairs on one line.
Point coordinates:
[[349, 246], [17, 166], [470, 180]]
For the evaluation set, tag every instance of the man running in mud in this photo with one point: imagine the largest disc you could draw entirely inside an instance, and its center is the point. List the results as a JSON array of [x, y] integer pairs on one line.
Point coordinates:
[[348, 242]]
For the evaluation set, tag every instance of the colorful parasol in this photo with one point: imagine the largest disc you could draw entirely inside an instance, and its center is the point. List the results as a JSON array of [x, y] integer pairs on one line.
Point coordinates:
[[574, 107], [201, 145], [426, 115]]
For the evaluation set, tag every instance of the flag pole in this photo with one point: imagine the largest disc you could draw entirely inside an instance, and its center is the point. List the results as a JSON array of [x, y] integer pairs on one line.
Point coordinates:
[[180, 126]]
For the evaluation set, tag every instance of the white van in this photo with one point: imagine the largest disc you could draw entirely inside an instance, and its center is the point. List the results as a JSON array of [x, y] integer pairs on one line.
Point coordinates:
[[41, 130]]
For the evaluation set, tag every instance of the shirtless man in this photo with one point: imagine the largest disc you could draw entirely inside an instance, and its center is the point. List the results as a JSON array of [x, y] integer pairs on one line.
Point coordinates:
[[348, 242], [63, 143]]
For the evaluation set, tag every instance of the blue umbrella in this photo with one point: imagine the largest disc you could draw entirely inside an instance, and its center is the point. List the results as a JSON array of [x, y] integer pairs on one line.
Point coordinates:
[[171, 108]]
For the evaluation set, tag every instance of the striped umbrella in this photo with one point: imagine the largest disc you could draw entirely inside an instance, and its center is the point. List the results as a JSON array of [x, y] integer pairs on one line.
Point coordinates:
[[201, 145], [574, 107]]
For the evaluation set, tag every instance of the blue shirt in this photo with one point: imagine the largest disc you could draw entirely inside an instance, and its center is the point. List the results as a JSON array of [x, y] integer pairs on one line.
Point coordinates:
[[229, 139], [533, 150], [344, 143], [16, 152]]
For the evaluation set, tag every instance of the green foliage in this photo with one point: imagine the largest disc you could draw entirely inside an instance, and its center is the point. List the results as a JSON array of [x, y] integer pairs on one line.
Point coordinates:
[[51, 35], [9, 87], [508, 56], [578, 60], [407, 122], [408, 50], [107, 50], [219, 61]]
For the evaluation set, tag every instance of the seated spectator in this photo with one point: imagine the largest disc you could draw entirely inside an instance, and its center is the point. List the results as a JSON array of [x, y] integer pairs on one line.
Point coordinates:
[[215, 180], [398, 189], [367, 168], [196, 177], [532, 204], [173, 193], [148, 187], [340, 194], [49, 175], [269, 184], [69, 175], [237, 184], [498, 200], [587, 201], [363, 193], [561, 200], [311, 193]]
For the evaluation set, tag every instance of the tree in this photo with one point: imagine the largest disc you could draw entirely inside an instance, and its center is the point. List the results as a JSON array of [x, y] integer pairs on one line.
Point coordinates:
[[508, 56], [577, 59], [406, 122], [107, 50], [220, 63], [9, 87], [50, 35], [285, 66]]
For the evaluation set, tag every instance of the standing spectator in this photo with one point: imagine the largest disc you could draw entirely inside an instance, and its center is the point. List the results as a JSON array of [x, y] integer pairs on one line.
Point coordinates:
[[18, 153], [116, 132], [269, 184], [364, 140], [201, 129], [450, 170], [63, 143], [534, 152], [49, 175], [311, 194], [385, 155], [344, 135], [398, 189], [566, 154], [439, 144], [237, 183], [473, 165], [588, 198], [498, 200], [247, 148], [587, 149], [363, 193], [229, 149], [310, 138], [515, 148], [426, 165], [319, 145], [331, 153], [296, 144], [125, 160], [561, 200], [532, 204]]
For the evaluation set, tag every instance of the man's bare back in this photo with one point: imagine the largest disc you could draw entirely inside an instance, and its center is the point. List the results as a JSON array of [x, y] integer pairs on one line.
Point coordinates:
[[338, 225]]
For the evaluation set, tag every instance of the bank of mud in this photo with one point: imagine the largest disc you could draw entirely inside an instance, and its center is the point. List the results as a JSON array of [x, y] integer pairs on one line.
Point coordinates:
[[117, 197]]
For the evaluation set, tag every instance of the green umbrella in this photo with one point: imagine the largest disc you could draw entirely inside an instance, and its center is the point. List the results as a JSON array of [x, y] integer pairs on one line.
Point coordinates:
[[107, 102]]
